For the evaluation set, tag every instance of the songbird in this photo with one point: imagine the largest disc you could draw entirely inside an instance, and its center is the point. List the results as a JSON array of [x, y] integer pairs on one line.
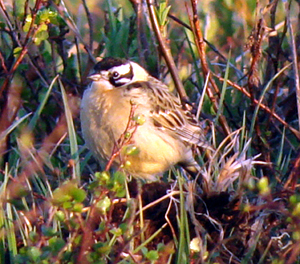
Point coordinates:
[[164, 139]]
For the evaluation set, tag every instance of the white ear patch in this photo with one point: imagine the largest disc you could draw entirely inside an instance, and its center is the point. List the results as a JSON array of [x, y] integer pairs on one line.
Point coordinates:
[[122, 69], [139, 73]]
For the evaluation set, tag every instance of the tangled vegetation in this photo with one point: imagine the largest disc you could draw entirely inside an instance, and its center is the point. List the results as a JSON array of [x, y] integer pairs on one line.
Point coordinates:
[[233, 63]]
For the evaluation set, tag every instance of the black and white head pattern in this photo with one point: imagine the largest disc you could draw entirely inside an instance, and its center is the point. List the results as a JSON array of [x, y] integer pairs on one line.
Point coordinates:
[[119, 71]]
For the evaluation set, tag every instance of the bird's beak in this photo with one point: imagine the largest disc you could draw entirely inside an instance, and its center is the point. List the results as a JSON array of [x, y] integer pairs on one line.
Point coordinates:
[[95, 77]]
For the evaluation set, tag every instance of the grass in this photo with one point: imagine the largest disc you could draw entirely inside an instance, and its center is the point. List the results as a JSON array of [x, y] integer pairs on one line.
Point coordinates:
[[234, 60]]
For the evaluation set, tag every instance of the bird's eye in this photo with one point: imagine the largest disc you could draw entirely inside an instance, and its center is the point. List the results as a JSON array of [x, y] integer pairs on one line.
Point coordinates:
[[115, 75]]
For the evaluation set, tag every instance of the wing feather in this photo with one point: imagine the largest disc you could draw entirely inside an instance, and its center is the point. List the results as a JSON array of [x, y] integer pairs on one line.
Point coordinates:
[[167, 113]]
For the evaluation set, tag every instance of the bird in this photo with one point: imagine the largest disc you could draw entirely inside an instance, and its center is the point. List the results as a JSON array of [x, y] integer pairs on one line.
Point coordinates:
[[168, 133]]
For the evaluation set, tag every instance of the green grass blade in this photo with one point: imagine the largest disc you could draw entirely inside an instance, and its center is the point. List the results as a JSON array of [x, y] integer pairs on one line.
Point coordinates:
[[243, 138], [13, 126], [224, 86], [38, 112], [2, 214], [262, 97], [71, 133], [184, 239], [197, 70], [280, 152], [2, 238], [10, 232]]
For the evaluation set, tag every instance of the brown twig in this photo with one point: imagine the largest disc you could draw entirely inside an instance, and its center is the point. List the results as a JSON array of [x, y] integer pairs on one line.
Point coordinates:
[[10, 110], [214, 49], [71, 24], [6, 119], [24, 50], [143, 43], [3, 65], [30, 35], [293, 254], [294, 174], [262, 106], [254, 43], [295, 59], [123, 140], [88, 230], [272, 64], [93, 216], [167, 54], [90, 22], [201, 50], [35, 166]]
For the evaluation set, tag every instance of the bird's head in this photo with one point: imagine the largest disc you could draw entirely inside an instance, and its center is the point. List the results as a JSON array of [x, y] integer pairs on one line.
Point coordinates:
[[118, 72]]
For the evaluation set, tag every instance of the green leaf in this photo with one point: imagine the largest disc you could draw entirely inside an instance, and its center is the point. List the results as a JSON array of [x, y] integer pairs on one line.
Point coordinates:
[[104, 204], [78, 207], [60, 216], [162, 13], [56, 244], [140, 119], [77, 194], [2, 25], [40, 36], [120, 193], [123, 227], [152, 255], [43, 27], [48, 231], [17, 51], [33, 236], [103, 176], [78, 240], [119, 177], [116, 231], [263, 186], [131, 150], [59, 197], [144, 250], [67, 205], [68, 193], [33, 253], [27, 24], [37, 113], [101, 248]]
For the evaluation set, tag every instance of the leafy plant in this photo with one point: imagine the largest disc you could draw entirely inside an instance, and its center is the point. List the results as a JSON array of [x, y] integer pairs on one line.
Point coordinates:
[[235, 60]]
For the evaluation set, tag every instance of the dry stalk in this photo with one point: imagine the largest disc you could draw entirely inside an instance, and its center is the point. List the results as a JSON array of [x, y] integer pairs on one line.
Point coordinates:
[[295, 58], [262, 106], [123, 140], [30, 35], [10, 110], [294, 174], [165, 50], [35, 166], [143, 44], [88, 230], [200, 44], [92, 220], [211, 46], [272, 67]]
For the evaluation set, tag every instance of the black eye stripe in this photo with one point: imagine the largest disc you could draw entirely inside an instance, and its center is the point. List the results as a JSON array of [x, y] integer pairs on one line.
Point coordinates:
[[121, 80], [117, 76]]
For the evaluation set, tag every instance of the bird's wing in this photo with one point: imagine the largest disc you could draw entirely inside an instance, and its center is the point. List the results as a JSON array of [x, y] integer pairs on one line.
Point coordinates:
[[167, 113]]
